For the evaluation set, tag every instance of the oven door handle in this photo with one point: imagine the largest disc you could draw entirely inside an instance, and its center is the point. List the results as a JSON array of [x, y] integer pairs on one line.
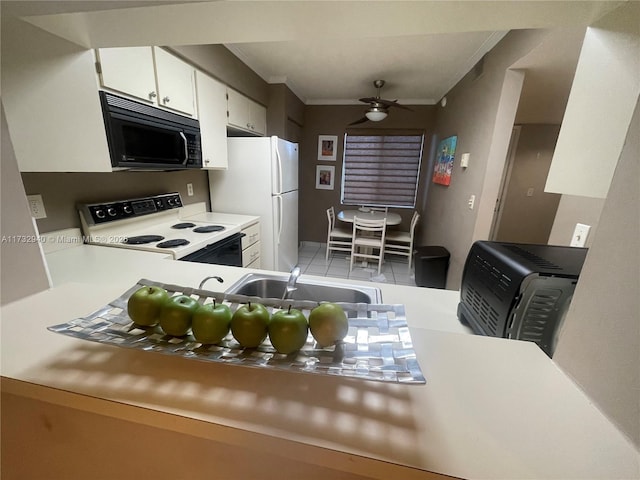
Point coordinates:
[[186, 148]]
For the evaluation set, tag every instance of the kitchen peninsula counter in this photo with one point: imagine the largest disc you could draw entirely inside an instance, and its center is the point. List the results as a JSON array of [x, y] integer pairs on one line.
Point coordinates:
[[491, 408]]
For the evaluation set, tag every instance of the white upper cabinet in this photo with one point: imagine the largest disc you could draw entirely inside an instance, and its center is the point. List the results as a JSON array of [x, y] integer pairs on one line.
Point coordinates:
[[51, 103], [129, 70], [150, 74], [175, 82], [212, 113], [245, 114]]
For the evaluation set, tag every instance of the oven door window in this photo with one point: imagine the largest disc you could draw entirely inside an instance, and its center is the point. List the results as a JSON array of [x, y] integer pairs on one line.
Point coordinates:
[[224, 252], [140, 143]]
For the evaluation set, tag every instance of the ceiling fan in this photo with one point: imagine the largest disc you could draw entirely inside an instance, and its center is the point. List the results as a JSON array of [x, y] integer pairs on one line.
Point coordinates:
[[378, 107]]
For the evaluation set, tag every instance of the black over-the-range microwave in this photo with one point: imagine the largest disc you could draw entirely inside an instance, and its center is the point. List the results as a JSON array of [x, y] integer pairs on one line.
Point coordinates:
[[145, 137]]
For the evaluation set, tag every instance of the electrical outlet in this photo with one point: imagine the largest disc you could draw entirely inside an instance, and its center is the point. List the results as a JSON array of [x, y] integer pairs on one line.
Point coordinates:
[[190, 189], [580, 235], [471, 202], [36, 205]]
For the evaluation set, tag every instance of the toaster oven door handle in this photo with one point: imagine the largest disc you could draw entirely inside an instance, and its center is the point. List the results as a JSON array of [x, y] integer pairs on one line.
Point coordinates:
[[186, 149]]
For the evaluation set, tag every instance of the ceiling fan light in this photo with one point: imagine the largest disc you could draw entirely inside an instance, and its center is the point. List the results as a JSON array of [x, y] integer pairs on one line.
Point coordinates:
[[376, 114]]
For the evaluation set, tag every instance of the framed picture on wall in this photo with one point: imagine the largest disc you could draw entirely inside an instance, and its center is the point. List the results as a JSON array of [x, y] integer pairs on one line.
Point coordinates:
[[444, 161], [327, 147], [325, 177]]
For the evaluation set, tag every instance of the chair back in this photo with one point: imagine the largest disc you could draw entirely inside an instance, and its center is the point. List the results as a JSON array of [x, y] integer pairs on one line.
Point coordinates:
[[379, 209], [414, 222], [331, 216], [372, 227]]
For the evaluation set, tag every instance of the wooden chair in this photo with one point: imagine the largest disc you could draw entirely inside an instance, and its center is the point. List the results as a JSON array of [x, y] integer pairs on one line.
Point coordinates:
[[368, 240], [338, 238], [401, 243]]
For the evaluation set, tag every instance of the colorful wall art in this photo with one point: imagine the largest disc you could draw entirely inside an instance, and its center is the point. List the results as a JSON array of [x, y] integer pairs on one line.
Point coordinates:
[[444, 161]]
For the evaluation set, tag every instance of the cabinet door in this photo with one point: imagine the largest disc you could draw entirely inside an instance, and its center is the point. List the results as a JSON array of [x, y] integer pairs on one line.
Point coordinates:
[[129, 70], [237, 110], [258, 118], [175, 82], [245, 114], [212, 113]]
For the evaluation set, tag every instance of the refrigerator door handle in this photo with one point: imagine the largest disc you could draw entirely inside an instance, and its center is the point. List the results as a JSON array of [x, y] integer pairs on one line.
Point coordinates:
[[280, 212], [279, 167]]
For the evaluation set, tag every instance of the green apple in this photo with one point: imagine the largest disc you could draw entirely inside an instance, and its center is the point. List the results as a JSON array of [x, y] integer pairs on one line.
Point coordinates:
[[176, 315], [145, 304], [328, 324], [211, 322], [288, 330], [249, 324]]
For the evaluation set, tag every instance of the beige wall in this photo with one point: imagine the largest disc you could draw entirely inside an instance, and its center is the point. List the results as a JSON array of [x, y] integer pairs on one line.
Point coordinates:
[[571, 210], [333, 120], [599, 344], [285, 113], [528, 219], [220, 63], [21, 262], [62, 191], [474, 108]]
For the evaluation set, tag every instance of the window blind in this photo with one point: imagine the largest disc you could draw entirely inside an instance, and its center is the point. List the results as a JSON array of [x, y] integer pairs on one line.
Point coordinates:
[[381, 170]]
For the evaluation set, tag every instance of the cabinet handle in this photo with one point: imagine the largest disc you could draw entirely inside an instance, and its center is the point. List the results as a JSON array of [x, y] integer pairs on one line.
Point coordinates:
[[152, 95], [166, 99]]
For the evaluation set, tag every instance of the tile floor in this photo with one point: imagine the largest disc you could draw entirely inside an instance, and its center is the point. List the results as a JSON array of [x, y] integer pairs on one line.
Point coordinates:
[[311, 259]]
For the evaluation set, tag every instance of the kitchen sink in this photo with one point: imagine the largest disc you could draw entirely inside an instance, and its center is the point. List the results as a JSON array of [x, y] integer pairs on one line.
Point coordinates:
[[274, 286]]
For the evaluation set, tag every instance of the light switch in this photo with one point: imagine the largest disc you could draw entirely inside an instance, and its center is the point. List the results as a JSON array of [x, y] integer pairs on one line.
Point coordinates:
[[530, 192], [464, 160], [580, 235]]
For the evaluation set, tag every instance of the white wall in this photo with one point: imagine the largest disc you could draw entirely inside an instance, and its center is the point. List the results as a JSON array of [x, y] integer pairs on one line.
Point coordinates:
[[603, 94], [571, 210], [599, 344], [22, 266]]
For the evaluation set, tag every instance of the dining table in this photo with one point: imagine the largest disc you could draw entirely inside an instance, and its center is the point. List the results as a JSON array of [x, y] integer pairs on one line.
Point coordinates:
[[348, 215]]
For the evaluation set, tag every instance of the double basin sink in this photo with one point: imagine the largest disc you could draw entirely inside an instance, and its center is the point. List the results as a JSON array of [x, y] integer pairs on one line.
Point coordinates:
[[275, 286]]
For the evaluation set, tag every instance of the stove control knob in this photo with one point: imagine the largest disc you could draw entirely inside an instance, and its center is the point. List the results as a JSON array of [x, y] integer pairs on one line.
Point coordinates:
[[112, 211], [127, 209], [159, 203], [100, 214]]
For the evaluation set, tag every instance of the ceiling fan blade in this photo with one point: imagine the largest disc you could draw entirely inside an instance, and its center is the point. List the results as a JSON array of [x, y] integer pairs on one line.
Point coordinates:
[[392, 103], [362, 120], [369, 99]]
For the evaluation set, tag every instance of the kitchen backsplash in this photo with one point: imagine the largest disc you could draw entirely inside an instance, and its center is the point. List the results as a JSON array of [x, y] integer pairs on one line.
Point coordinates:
[[61, 192]]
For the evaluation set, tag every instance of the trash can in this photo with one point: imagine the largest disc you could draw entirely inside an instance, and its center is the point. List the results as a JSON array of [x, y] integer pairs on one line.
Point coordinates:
[[432, 263]]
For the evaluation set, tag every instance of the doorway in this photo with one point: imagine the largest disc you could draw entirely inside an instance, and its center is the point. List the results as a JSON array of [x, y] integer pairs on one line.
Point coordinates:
[[524, 212]]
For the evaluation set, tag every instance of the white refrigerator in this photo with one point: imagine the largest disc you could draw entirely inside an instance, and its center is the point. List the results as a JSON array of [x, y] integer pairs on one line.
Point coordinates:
[[262, 179]]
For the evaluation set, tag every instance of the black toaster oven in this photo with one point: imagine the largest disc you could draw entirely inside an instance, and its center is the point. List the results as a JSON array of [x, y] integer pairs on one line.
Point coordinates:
[[519, 291]]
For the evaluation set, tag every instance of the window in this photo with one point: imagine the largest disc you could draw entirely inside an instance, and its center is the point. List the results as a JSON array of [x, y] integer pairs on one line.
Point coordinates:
[[381, 170]]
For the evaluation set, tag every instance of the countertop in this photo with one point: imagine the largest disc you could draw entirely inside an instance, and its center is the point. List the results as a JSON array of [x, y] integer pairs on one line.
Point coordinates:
[[491, 408]]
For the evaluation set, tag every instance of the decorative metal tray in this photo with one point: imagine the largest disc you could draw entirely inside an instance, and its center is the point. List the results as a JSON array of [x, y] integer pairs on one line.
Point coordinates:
[[378, 345]]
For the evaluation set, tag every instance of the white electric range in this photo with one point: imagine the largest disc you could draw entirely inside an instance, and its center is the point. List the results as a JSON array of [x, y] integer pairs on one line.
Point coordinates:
[[155, 224]]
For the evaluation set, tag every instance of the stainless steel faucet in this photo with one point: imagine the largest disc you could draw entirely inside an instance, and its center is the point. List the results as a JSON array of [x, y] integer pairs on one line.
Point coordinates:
[[291, 283]]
